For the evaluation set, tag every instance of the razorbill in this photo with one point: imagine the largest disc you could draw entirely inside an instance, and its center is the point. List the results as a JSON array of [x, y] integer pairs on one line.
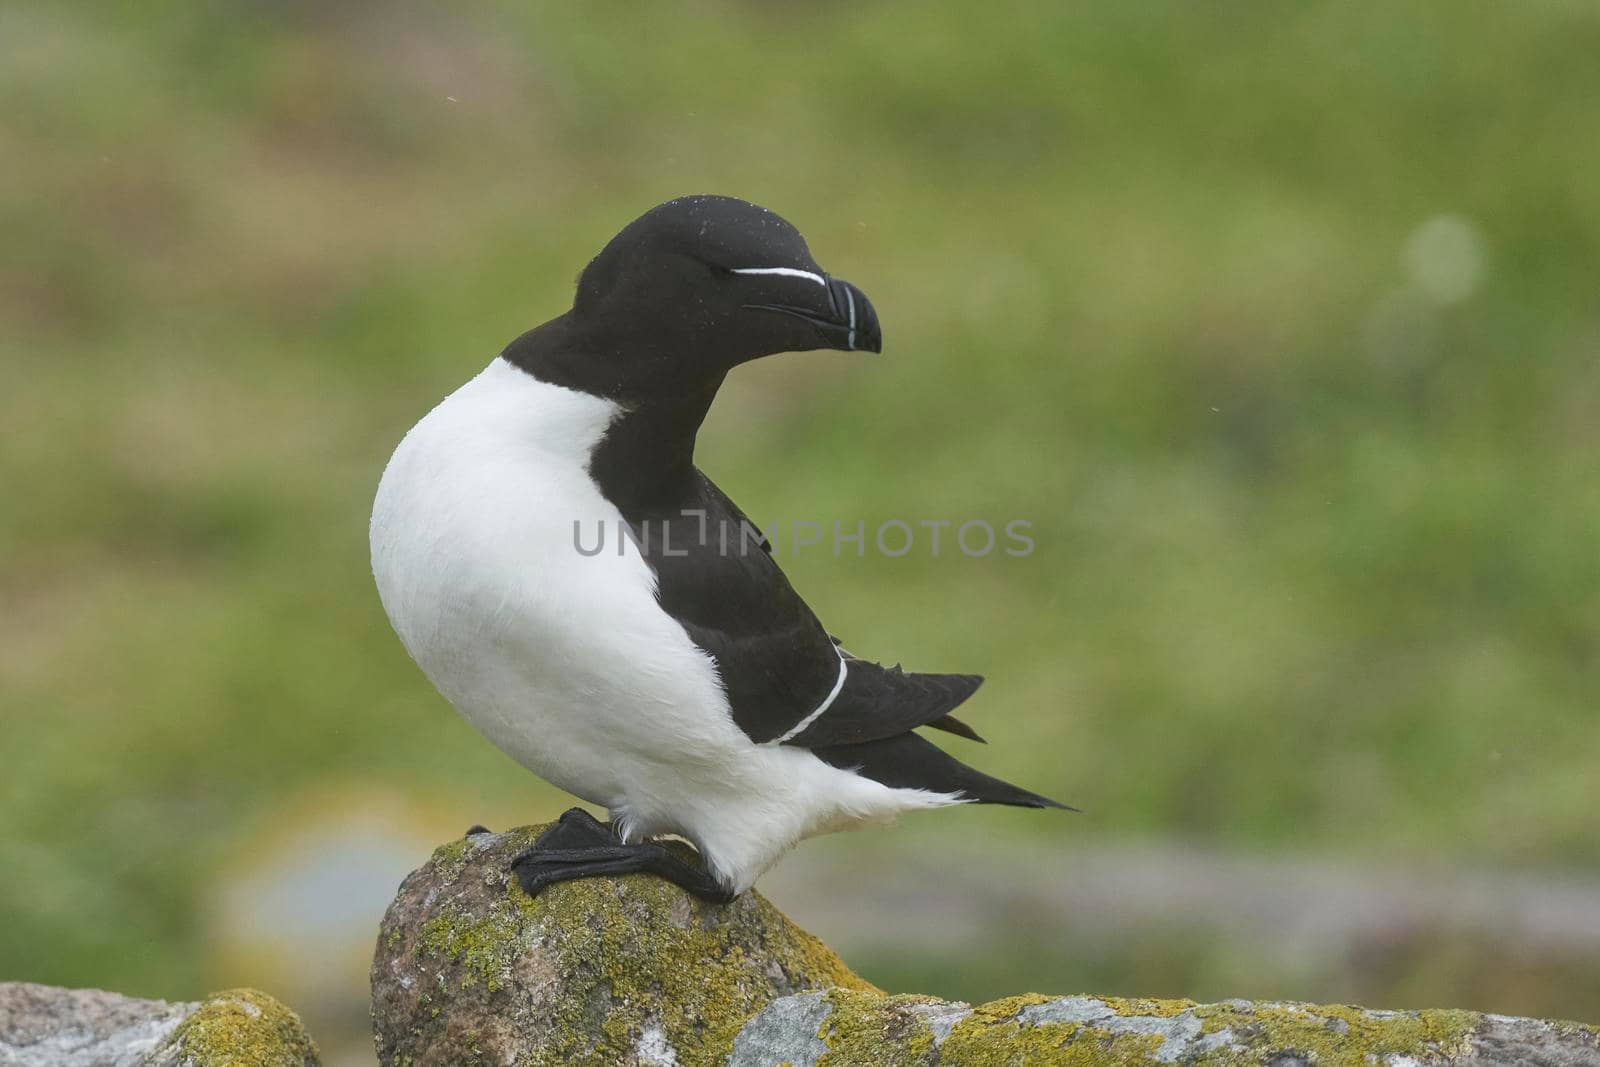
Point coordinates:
[[674, 677]]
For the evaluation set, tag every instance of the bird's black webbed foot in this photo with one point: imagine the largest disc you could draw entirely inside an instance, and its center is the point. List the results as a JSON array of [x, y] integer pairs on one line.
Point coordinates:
[[580, 846]]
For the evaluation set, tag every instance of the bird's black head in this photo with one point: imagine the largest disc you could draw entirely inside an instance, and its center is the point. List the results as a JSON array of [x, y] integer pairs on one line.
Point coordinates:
[[701, 284]]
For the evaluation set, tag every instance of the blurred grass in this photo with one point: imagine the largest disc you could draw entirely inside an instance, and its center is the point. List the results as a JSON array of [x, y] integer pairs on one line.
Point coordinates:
[[1316, 562]]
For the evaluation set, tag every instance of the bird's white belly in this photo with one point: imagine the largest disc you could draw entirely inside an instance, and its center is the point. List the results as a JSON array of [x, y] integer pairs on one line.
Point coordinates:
[[563, 660]]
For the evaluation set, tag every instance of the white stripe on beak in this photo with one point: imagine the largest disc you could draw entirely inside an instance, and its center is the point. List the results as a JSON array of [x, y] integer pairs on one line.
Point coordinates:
[[789, 271]]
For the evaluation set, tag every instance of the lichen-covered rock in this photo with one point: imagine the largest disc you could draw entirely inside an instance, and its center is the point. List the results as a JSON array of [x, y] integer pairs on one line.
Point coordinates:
[[848, 1029], [237, 1028], [44, 1026], [470, 970]]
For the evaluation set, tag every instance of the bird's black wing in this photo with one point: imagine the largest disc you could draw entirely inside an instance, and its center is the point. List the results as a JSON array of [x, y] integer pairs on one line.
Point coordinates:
[[716, 575], [778, 681]]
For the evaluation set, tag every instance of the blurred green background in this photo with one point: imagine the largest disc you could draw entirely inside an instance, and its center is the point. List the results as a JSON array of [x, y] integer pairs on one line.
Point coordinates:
[[1280, 324]]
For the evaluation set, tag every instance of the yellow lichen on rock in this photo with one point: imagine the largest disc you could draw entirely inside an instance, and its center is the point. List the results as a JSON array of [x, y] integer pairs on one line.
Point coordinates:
[[237, 1028], [1114, 1032]]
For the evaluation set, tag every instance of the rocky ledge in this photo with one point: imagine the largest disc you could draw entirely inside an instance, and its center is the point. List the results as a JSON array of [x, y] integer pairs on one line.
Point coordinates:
[[45, 1026], [470, 970]]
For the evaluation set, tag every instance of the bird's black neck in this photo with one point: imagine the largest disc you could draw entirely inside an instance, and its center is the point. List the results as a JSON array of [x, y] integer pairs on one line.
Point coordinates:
[[645, 462]]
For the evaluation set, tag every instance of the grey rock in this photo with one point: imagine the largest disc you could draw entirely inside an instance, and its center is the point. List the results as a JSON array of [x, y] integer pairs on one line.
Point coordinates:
[[46, 1026], [785, 1031]]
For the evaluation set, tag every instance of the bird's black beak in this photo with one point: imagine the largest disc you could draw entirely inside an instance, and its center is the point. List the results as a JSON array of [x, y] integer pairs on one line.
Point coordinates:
[[843, 317]]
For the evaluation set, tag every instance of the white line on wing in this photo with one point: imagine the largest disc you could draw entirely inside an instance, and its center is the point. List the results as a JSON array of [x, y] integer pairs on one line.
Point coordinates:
[[800, 726]]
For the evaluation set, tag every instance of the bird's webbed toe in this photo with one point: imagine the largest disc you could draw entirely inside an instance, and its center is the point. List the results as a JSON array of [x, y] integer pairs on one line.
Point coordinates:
[[580, 846]]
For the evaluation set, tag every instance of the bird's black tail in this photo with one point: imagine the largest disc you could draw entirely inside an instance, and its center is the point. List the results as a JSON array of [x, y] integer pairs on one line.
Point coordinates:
[[907, 761]]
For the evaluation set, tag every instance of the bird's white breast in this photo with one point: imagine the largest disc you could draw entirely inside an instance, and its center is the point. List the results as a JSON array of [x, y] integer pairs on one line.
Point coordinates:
[[563, 660], [566, 661]]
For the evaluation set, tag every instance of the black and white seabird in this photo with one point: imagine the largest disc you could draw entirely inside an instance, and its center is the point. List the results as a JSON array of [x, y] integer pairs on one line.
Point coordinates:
[[678, 681]]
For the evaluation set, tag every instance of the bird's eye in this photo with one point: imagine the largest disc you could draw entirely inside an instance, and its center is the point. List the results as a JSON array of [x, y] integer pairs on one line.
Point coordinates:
[[698, 263]]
